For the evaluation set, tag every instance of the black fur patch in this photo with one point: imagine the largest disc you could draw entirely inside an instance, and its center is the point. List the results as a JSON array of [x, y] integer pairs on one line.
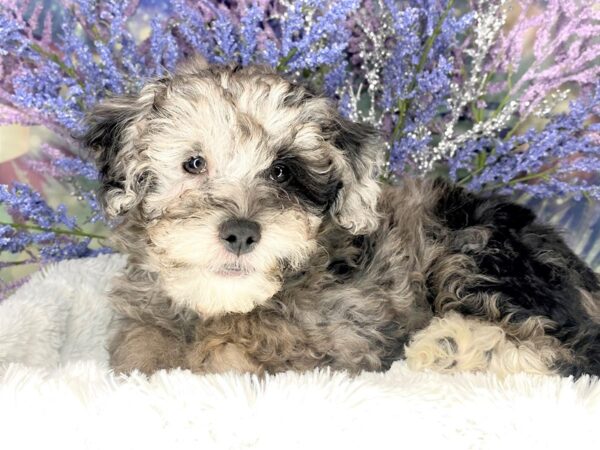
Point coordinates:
[[533, 269], [340, 268], [354, 262], [315, 190], [459, 209]]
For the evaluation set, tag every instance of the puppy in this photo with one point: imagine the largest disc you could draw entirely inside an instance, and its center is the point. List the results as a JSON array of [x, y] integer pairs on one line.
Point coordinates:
[[259, 240]]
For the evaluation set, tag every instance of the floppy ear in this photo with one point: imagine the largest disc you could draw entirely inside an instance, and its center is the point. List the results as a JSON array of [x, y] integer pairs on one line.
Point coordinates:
[[113, 130], [356, 206]]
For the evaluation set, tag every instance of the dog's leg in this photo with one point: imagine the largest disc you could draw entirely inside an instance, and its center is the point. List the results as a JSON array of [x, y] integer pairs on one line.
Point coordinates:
[[145, 348], [454, 343]]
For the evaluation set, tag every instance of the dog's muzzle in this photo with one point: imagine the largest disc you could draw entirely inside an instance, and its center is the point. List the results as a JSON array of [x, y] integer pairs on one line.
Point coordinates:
[[239, 236]]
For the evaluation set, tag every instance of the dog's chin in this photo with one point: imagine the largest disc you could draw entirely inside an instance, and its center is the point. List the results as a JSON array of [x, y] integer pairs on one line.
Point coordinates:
[[227, 289], [232, 271]]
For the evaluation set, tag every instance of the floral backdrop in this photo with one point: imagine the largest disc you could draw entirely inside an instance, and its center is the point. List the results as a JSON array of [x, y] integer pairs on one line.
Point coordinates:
[[499, 96]]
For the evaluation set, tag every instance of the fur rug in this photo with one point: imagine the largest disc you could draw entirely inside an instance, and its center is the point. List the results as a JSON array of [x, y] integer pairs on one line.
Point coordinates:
[[57, 392]]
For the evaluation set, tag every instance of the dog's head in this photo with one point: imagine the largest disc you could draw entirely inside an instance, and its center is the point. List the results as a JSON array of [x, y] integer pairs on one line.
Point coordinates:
[[227, 175]]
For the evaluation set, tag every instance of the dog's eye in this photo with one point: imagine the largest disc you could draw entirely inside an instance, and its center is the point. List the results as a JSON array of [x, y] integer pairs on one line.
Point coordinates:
[[280, 173], [195, 165]]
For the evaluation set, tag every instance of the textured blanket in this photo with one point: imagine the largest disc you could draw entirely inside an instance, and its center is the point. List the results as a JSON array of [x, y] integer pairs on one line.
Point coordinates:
[[56, 391]]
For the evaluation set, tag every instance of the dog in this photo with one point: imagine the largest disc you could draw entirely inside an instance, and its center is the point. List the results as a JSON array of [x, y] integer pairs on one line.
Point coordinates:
[[260, 240]]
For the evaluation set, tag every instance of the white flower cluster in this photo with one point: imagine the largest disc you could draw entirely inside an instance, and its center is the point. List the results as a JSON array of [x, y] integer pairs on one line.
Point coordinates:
[[373, 54], [489, 19]]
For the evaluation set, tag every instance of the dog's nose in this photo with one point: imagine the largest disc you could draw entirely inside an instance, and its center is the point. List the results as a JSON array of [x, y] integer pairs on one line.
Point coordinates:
[[239, 236]]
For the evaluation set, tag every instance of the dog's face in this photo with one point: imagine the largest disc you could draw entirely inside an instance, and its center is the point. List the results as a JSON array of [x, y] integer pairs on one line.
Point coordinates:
[[227, 176]]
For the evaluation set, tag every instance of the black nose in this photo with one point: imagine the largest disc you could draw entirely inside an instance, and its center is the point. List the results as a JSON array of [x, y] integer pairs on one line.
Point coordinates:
[[239, 236]]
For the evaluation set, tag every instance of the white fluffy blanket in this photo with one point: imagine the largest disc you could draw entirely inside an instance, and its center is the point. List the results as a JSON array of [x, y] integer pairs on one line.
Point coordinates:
[[57, 392]]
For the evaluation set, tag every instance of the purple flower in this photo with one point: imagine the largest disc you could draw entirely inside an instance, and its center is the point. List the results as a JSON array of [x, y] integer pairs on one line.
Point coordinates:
[[225, 39], [250, 30], [12, 240], [559, 159], [22, 202]]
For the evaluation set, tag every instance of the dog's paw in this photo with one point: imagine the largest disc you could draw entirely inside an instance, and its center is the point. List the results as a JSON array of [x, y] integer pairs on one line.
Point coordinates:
[[454, 344]]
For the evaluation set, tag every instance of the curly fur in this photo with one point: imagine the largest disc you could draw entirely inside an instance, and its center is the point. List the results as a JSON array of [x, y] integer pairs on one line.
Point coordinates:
[[348, 274]]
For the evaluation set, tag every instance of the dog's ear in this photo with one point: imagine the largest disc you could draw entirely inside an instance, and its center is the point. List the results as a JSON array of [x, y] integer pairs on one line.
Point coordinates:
[[113, 131], [356, 206]]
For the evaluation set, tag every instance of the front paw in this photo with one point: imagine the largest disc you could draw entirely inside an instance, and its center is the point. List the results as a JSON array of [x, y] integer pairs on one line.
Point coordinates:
[[147, 349], [464, 344], [454, 344]]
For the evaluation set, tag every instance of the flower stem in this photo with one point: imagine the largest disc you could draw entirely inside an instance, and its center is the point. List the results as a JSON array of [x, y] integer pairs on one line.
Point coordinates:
[[506, 98], [54, 58], [53, 230], [514, 129], [404, 104], [469, 176], [528, 177], [282, 65], [532, 176], [23, 262]]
